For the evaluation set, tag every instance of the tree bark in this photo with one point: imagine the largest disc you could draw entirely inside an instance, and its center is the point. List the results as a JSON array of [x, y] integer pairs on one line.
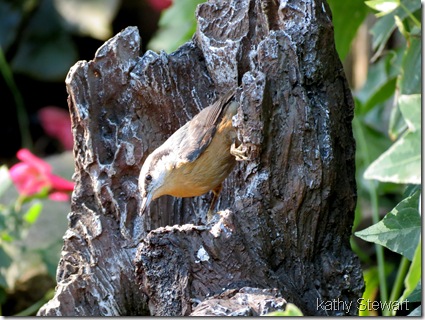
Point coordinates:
[[290, 207]]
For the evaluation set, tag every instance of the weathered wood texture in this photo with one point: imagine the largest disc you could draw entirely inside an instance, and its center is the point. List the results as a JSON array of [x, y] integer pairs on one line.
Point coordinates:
[[291, 207]]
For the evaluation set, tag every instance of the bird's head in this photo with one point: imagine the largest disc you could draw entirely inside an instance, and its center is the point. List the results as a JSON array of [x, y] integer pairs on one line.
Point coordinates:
[[153, 176]]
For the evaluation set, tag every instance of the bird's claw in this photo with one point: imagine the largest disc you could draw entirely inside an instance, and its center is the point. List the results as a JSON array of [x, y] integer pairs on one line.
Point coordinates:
[[240, 152]]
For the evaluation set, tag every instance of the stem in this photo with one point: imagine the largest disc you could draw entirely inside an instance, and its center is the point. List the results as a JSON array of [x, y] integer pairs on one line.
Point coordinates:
[[411, 16], [373, 194], [22, 115], [399, 281], [383, 290]]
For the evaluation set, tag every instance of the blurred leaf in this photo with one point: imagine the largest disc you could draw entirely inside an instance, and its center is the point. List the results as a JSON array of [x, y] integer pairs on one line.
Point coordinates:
[[5, 181], [5, 262], [399, 230], [370, 144], [401, 163], [93, 18], [410, 81], [397, 125], [375, 143], [413, 277], [371, 280], [33, 212], [51, 255], [46, 51], [380, 82], [385, 26], [291, 310], [346, 29], [410, 107], [401, 27], [176, 26], [383, 6], [416, 294], [10, 18]]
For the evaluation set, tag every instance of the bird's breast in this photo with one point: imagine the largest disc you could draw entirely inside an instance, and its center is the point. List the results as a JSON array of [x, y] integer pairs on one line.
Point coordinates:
[[191, 179]]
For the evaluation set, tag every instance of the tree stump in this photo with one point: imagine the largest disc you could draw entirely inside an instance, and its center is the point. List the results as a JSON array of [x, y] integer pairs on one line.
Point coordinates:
[[290, 208]]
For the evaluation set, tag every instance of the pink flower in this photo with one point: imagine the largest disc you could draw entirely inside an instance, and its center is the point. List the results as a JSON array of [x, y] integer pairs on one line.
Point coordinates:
[[56, 122], [33, 174], [159, 5]]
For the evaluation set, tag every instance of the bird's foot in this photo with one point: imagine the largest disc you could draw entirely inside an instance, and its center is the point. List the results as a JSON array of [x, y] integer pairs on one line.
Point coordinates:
[[213, 217], [240, 152]]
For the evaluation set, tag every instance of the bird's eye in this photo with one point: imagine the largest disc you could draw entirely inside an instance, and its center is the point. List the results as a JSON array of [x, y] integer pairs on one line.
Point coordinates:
[[148, 177]]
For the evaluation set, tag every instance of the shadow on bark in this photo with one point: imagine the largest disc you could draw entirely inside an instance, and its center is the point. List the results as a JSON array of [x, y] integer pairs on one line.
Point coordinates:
[[285, 235]]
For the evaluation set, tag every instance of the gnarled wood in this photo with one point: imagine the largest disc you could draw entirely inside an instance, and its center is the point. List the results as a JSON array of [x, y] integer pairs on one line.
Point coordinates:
[[291, 207]]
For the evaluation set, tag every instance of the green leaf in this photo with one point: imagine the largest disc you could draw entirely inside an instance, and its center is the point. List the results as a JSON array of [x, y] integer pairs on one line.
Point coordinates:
[[176, 26], [410, 107], [416, 294], [401, 163], [413, 276], [33, 212], [410, 80], [346, 29], [380, 82], [401, 27], [383, 6], [371, 280], [291, 310], [399, 230]]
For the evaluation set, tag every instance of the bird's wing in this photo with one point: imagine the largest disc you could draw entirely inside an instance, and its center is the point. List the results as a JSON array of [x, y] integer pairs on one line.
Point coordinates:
[[201, 129]]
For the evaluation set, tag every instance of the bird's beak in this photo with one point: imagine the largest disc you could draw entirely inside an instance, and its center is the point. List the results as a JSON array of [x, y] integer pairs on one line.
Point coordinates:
[[146, 200]]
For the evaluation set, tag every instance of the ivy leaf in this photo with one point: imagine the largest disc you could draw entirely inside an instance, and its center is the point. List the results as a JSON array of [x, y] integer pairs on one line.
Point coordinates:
[[401, 163], [400, 229], [383, 6]]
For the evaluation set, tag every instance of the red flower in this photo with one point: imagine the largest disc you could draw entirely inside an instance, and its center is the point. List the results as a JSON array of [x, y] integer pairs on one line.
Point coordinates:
[[159, 5], [56, 122], [33, 174]]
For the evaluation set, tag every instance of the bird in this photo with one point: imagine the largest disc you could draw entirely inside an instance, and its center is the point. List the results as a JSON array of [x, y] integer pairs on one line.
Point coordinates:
[[196, 158]]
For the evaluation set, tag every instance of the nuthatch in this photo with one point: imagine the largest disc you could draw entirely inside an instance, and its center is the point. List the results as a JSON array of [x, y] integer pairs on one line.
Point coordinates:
[[196, 158]]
